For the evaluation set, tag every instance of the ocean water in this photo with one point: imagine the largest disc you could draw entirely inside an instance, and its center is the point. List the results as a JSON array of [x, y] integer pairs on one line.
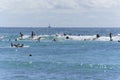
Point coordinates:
[[80, 57]]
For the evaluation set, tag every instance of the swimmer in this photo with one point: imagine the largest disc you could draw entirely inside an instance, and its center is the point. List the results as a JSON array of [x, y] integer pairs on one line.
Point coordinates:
[[54, 39], [64, 34], [67, 37], [15, 39], [12, 45], [118, 40], [30, 54]]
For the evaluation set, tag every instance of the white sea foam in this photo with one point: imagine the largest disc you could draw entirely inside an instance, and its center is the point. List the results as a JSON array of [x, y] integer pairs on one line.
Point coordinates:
[[2, 37], [24, 37], [93, 38], [26, 46], [82, 37], [71, 37]]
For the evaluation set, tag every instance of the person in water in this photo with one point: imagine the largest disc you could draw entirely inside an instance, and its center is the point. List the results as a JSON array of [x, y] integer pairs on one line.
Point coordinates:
[[97, 35], [110, 35], [15, 39], [17, 45], [30, 54], [12, 44], [21, 35], [67, 37], [54, 40], [32, 34], [64, 34], [21, 45]]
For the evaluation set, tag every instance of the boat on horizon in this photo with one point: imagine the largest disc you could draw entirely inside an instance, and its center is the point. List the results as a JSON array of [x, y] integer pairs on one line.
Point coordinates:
[[49, 26]]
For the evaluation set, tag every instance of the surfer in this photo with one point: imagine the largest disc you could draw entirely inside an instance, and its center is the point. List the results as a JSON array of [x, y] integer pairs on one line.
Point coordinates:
[[110, 35], [32, 34], [20, 45], [97, 35], [17, 45], [21, 35]]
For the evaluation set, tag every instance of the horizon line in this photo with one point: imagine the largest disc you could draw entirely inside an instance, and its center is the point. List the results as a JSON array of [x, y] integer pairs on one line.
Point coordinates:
[[59, 27]]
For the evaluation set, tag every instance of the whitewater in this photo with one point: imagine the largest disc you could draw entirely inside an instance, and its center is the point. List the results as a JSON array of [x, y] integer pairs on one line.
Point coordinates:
[[62, 37]]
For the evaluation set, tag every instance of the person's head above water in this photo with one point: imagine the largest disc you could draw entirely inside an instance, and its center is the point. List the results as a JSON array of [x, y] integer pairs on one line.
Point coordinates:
[[30, 54]]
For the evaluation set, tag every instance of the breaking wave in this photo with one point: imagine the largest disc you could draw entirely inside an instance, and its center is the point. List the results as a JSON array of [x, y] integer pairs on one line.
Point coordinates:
[[71, 37]]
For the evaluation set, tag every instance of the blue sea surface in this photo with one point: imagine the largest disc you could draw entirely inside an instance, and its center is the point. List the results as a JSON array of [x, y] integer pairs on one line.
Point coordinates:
[[61, 59]]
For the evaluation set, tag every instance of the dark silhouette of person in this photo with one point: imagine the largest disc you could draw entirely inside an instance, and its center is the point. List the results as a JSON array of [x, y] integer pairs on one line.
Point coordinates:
[[97, 35], [17, 45], [12, 45], [21, 45], [110, 35], [32, 34], [21, 35], [15, 39], [30, 54], [54, 39], [67, 37], [64, 34]]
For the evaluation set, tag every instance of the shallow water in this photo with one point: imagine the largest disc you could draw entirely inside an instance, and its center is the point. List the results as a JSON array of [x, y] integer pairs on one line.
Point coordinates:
[[60, 60]]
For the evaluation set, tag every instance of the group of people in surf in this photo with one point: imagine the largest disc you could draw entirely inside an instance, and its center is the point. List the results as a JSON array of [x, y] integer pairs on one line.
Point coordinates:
[[32, 35], [67, 37], [21, 36], [97, 36], [38, 39], [110, 35], [17, 45]]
